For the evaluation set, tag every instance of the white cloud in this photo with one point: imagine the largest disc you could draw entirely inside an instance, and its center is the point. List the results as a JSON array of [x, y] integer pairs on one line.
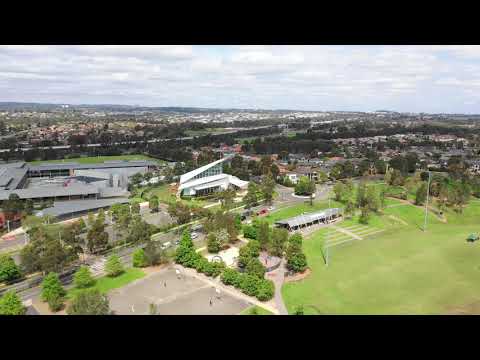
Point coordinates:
[[370, 77]]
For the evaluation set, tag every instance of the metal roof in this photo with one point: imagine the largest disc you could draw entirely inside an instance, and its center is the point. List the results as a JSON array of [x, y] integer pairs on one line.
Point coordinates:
[[60, 208], [105, 165], [309, 218], [50, 191]]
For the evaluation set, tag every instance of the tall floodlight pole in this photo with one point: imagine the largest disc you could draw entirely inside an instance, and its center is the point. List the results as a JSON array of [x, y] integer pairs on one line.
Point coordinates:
[[426, 203]]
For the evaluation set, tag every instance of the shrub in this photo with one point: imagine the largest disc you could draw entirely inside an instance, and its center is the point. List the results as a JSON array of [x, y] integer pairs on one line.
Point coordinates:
[[255, 267], [83, 278], [214, 268], [248, 284], [114, 267], [265, 290], [247, 252], [9, 271], [297, 262], [213, 243], [249, 231], [139, 259], [231, 277]]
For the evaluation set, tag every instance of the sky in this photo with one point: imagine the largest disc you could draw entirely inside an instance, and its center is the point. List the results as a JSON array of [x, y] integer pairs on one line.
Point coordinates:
[[432, 79]]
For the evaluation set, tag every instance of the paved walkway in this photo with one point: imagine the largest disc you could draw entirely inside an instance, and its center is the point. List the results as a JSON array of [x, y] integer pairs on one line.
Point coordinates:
[[278, 278]]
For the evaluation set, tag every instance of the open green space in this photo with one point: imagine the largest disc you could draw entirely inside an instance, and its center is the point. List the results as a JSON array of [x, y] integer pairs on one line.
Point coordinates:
[[402, 270], [104, 284], [259, 311], [96, 159]]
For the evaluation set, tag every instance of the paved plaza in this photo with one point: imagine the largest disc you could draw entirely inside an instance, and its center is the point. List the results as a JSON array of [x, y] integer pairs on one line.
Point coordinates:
[[174, 296]]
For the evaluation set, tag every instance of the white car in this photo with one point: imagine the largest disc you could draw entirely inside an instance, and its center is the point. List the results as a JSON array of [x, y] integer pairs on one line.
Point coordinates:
[[271, 208], [194, 235]]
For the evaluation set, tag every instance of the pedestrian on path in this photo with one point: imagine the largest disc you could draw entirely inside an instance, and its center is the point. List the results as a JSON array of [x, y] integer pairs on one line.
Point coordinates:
[[210, 301], [165, 284]]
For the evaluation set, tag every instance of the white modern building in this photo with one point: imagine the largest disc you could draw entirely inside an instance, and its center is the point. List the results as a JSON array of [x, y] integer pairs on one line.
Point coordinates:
[[208, 179]]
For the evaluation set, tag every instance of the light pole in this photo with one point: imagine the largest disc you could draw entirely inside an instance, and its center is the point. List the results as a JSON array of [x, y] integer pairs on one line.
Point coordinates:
[[426, 203]]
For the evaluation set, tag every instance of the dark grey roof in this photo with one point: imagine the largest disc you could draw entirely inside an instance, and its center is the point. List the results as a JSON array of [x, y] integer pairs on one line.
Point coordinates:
[[308, 218], [50, 191], [105, 165], [60, 208]]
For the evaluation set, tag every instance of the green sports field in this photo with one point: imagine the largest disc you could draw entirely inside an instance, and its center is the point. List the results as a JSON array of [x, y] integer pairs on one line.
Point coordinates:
[[401, 270], [96, 159]]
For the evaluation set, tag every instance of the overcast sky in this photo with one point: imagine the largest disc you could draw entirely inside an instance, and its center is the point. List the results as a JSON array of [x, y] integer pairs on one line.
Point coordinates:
[[366, 78]]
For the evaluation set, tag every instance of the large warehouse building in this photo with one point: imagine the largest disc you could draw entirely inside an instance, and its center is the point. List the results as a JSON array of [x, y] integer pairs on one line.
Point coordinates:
[[83, 186], [208, 179]]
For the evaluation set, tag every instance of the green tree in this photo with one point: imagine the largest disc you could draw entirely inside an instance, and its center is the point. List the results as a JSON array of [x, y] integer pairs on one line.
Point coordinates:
[[278, 242], [349, 208], [251, 198], [113, 266], [83, 278], [304, 186], [97, 237], [139, 259], [185, 249], [226, 198], [53, 292], [9, 271], [89, 302], [213, 244], [340, 191], [10, 304], [267, 187], [154, 255], [263, 235], [247, 252], [421, 194]]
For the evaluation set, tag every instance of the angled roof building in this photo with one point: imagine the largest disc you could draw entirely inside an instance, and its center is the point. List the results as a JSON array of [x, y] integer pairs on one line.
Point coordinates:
[[208, 179]]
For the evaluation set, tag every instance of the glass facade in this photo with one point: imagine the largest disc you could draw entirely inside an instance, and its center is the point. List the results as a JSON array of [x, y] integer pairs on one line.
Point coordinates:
[[214, 170]]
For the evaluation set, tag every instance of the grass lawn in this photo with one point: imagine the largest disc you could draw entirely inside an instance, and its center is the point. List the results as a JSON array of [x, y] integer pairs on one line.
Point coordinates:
[[402, 270], [260, 311], [104, 284], [96, 159], [166, 196]]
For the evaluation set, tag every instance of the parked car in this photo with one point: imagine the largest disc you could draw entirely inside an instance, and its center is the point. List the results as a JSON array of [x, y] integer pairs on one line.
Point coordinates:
[[262, 212], [271, 208], [194, 235], [177, 242]]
